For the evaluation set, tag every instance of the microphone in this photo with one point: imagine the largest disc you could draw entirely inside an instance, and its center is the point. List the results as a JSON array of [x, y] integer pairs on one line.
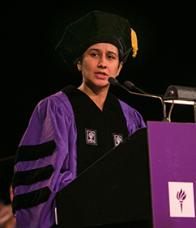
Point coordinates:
[[131, 85], [128, 85]]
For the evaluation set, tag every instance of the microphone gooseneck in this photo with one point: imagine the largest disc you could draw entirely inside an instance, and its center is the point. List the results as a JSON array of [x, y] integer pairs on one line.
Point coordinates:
[[128, 85], [115, 82]]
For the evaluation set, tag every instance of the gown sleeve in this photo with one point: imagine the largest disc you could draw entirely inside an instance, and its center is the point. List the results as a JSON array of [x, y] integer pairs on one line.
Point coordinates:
[[133, 118], [45, 162]]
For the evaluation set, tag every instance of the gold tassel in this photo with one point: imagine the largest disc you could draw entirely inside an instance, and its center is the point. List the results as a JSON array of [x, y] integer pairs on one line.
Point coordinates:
[[134, 43]]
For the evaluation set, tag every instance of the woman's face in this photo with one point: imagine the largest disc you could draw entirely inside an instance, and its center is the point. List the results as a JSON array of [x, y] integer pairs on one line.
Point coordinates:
[[99, 62]]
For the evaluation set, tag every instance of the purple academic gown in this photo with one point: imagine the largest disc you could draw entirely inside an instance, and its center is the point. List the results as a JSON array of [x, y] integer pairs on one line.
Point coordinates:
[[52, 121]]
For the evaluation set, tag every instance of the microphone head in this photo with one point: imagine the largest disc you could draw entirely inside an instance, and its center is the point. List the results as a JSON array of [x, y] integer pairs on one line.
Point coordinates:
[[129, 84], [113, 81]]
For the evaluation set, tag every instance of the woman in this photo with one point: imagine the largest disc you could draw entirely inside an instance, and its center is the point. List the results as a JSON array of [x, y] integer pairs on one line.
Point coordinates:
[[69, 130]]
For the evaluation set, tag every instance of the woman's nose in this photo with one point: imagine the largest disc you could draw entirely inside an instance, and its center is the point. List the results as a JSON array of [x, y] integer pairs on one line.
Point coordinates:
[[102, 62]]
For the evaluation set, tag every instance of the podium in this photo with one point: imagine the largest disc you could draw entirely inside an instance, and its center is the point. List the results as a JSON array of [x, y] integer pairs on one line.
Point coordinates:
[[113, 192], [172, 162], [138, 184]]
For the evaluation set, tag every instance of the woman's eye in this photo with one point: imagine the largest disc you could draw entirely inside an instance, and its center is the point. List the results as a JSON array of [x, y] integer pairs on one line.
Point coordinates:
[[93, 54], [111, 57]]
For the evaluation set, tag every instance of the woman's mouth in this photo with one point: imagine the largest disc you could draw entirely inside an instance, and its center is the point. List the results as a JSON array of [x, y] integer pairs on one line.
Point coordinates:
[[101, 75]]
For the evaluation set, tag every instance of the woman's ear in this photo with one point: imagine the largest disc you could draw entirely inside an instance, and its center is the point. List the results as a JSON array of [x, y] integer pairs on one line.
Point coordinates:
[[79, 66], [120, 67]]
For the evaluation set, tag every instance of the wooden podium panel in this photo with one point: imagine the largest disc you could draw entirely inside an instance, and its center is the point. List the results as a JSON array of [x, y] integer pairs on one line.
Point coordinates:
[[112, 192]]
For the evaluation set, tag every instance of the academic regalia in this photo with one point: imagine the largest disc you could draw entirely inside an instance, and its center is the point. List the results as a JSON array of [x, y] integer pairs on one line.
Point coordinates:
[[63, 132]]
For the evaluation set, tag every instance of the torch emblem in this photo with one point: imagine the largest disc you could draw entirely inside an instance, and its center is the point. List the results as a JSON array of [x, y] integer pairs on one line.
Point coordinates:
[[181, 196]]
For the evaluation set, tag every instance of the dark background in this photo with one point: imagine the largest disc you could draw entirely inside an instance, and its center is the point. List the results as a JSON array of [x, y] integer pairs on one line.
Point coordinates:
[[31, 70]]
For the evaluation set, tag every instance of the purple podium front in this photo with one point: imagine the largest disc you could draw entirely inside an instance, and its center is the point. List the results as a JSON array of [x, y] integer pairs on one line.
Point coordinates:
[[172, 158]]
